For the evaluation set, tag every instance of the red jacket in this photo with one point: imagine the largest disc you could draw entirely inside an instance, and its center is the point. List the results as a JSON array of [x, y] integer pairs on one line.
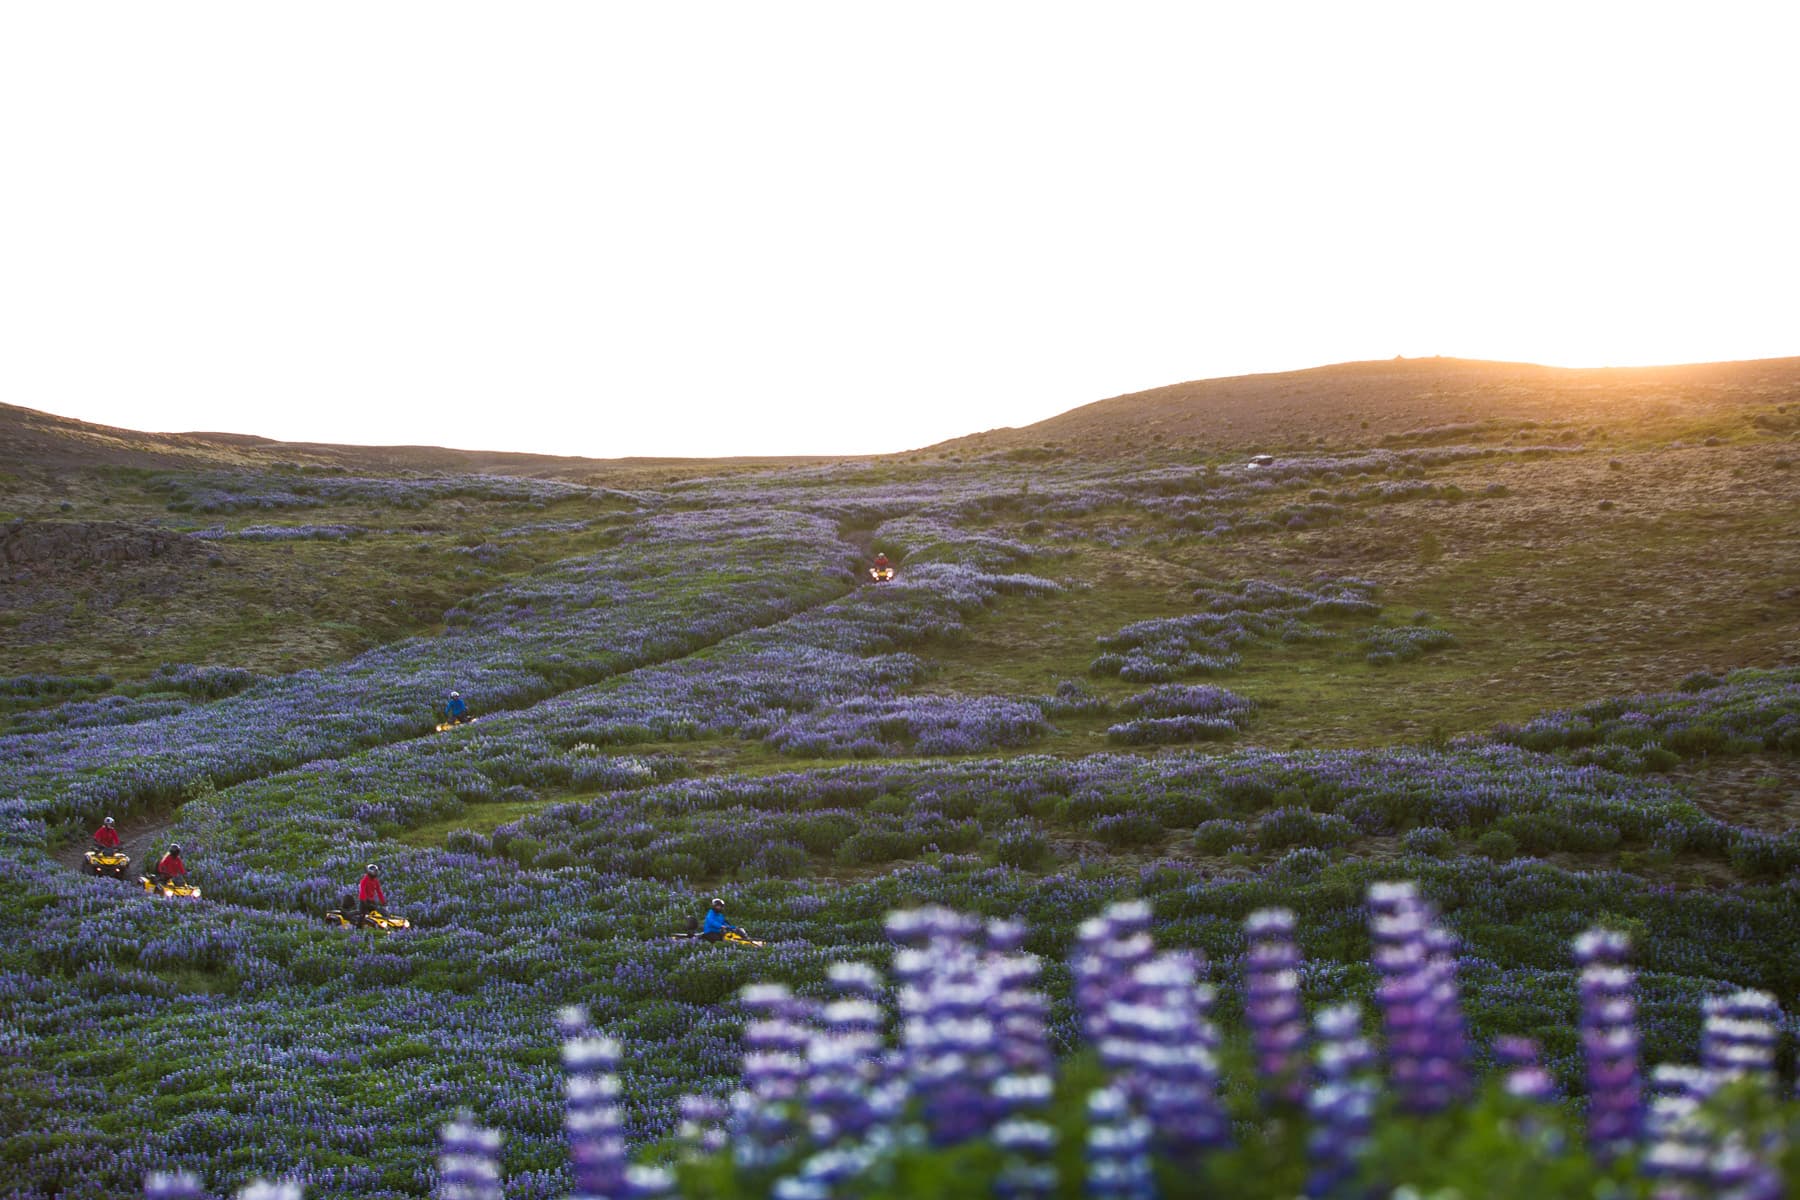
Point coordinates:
[[170, 865], [107, 836], [370, 889]]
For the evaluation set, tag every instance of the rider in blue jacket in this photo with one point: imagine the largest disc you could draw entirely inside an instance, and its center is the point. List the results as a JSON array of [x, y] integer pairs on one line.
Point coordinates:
[[716, 924], [456, 709]]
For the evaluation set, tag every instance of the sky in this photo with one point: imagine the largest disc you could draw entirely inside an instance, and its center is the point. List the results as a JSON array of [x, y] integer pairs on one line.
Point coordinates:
[[803, 228]]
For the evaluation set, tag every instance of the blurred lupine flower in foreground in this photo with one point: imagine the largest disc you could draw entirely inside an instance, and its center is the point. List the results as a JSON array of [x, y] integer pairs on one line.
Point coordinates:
[[1738, 1036], [596, 1141], [177, 1185], [1609, 1041], [1525, 1074], [1272, 1003], [1342, 1101], [1420, 1008], [1118, 1149], [468, 1166]]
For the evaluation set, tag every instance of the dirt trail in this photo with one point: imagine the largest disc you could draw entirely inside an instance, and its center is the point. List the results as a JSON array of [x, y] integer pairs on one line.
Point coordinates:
[[144, 838]]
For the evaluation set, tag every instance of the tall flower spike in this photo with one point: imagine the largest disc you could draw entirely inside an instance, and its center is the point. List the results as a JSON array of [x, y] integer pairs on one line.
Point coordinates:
[[1163, 1051], [948, 1035], [468, 1160], [1342, 1102], [1680, 1151], [1109, 947], [1420, 1007], [1118, 1149], [596, 1141], [172, 1185], [1609, 1042], [1739, 1034], [776, 1039], [262, 1189], [1272, 1003]]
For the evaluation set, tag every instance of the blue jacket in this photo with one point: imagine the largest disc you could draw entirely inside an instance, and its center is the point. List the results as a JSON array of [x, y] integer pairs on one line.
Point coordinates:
[[455, 708], [716, 922]]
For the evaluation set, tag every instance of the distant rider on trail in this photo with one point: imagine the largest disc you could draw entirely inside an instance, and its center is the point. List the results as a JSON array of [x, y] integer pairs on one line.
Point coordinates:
[[369, 895], [106, 837], [456, 709], [716, 924], [881, 561], [171, 866]]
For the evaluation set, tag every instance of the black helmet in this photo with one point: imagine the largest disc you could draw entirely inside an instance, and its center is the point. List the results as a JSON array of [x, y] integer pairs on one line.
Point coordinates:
[[718, 903], [174, 847], [373, 869]]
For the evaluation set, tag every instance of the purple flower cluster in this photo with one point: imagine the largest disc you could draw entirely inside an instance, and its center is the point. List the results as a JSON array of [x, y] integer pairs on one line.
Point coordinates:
[[1609, 1041], [1272, 1003], [468, 1161], [1341, 1102], [1427, 1054]]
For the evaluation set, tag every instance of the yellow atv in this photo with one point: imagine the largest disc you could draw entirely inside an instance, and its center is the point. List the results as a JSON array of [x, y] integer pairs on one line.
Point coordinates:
[[348, 918], [443, 725], [731, 937], [881, 574], [170, 889], [101, 861]]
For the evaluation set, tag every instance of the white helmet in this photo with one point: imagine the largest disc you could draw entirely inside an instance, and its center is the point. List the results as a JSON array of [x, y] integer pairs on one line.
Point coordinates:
[[373, 869], [718, 903], [455, 695], [107, 822]]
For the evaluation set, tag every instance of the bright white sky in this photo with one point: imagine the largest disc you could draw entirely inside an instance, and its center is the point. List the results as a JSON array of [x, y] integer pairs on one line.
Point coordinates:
[[728, 228]]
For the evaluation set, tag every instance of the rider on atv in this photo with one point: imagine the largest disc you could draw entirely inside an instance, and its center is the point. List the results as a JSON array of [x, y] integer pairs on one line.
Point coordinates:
[[716, 924], [106, 837], [881, 561], [456, 709], [369, 895], [171, 866]]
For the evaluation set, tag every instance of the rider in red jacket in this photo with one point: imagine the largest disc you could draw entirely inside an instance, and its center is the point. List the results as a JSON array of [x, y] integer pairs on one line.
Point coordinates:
[[369, 895], [171, 865], [106, 837]]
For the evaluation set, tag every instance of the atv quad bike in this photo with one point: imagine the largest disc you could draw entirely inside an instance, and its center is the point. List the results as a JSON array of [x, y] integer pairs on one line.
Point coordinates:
[[101, 861], [177, 888], [881, 574], [348, 918], [730, 937], [443, 725]]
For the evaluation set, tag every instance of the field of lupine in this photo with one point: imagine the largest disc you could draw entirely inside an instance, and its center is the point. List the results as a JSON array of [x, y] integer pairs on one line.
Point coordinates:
[[1084, 861]]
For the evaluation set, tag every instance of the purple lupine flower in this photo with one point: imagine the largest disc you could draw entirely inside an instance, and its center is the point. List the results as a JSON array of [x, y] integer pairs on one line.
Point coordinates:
[[1272, 1003], [1738, 1036], [1027, 1173], [776, 1070], [1680, 1150], [1163, 1050], [1342, 1102], [1737, 1172], [262, 1189], [1609, 1041], [1118, 1149], [1420, 1009], [702, 1127], [468, 1160], [1108, 948], [1525, 1074], [596, 1141], [172, 1185], [950, 1042]]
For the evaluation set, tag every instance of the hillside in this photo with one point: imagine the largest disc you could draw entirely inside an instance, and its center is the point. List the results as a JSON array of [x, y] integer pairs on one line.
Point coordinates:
[[1401, 401], [1530, 639], [32, 441]]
